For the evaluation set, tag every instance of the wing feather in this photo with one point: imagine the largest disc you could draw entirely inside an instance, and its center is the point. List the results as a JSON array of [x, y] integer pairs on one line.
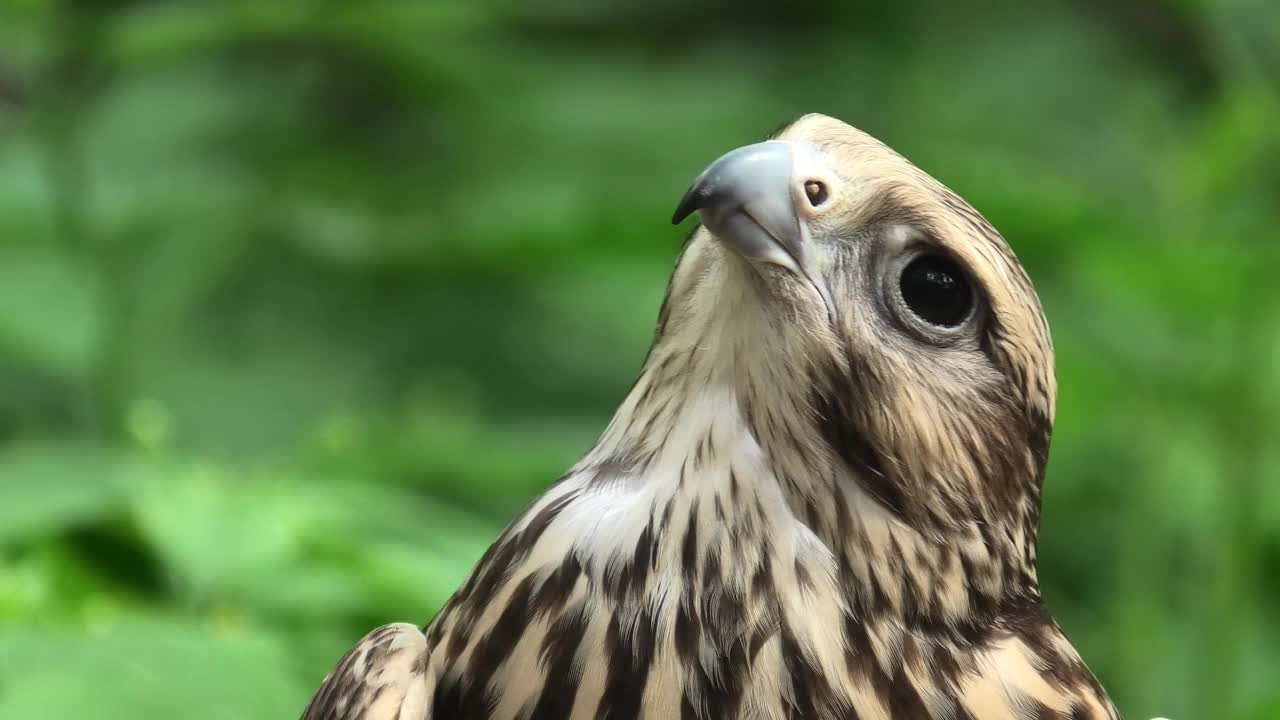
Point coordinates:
[[386, 676]]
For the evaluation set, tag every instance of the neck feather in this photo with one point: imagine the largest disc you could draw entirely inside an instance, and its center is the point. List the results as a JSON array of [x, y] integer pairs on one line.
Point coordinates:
[[704, 434]]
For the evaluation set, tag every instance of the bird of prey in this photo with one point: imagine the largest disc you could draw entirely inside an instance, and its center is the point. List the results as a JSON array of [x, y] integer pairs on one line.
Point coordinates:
[[819, 500]]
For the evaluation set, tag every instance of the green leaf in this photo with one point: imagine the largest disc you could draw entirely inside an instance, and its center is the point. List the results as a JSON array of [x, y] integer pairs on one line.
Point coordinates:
[[147, 668], [50, 487], [51, 310]]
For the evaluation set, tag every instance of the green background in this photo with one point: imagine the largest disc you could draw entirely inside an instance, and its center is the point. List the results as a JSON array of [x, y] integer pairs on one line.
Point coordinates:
[[301, 301]]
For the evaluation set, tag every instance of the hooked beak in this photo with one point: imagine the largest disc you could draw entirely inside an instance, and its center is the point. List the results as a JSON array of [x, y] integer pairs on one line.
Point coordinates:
[[747, 199]]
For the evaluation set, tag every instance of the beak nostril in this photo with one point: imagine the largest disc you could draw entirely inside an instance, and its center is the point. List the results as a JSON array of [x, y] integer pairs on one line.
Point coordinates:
[[816, 192]]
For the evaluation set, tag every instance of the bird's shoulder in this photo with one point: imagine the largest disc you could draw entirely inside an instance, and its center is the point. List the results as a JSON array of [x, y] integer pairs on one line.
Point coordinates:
[[386, 676], [1027, 665]]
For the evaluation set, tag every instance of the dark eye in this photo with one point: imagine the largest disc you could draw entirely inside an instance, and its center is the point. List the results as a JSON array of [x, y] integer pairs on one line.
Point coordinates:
[[936, 290]]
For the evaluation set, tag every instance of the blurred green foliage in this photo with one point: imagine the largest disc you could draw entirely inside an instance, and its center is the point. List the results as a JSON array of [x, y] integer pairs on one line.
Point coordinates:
[[301, 301]]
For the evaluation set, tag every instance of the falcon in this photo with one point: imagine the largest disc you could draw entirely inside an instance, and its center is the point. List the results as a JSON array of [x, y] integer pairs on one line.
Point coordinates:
[[819, 500]]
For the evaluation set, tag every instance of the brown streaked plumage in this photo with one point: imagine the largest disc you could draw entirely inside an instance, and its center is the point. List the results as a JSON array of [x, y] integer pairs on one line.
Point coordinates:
[[819, 500]]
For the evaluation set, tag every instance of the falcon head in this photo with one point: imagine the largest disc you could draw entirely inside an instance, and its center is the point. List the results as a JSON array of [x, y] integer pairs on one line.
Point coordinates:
[[883, 340]]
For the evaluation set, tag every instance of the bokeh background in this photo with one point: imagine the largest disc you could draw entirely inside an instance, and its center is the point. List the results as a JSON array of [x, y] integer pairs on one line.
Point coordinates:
[[301, 301]]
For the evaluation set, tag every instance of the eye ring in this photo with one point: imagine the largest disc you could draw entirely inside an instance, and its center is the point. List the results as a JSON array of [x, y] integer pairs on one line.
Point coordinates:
[[816, 192]]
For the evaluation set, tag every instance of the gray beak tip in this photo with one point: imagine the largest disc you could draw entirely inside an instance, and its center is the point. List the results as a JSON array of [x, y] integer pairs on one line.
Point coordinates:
[[694, 198]]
